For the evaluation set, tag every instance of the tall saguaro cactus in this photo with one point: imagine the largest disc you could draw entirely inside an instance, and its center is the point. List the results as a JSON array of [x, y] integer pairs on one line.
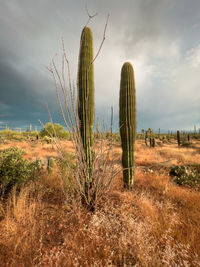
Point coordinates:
[[127, 122], [86, 98]]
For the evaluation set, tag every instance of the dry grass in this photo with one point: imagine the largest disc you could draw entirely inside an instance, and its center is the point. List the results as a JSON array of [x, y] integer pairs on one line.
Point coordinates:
[[157, 224]]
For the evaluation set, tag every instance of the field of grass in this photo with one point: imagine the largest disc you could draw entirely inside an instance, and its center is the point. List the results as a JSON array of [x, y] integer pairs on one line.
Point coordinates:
[[155, 224]]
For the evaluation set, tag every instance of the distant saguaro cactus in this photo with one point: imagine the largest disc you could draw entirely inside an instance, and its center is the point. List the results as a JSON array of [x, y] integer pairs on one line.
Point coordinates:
[[150, 141], [146, 137], [86, 98], [178, 138], [153, 142], [127, 122], [159, 133]]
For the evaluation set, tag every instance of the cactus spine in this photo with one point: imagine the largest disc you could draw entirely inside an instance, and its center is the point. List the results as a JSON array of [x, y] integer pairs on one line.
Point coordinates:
[[127, 122], [86, 99]]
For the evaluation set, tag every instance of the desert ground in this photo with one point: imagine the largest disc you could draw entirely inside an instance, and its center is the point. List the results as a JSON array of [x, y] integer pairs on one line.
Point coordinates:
[[155, 224]]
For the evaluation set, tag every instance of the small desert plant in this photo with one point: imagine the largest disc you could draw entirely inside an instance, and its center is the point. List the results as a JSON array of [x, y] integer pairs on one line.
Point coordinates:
[[14, 169], [47, 139], [185, 144], [186, 175]]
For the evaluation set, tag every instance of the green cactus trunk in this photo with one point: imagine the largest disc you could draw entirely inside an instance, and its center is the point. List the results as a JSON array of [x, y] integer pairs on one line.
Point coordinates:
[[127, 122], [153, 142], [178, 138], [50, 165], [86, 99], [150, 142]]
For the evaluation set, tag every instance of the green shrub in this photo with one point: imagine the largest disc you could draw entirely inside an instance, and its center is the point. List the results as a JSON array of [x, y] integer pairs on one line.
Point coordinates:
[[66, 165], [186, 175], [54, 130], [47, 139], [185, 144], [14, 169], [11, 135]]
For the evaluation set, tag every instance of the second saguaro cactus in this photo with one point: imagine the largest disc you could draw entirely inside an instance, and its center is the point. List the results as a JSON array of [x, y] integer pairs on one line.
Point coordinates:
[[127, 122], [86, 97], [178, 138]]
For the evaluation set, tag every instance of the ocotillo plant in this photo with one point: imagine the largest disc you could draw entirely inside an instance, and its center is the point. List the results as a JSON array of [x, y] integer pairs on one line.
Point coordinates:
[[178, 138], [98, 128], [111, 120], [86, 99], [127, 122]]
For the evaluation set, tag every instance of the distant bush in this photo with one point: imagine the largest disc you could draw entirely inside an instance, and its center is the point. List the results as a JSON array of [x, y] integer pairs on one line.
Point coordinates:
[[11, 135], [14, 169], [186, 175], [47, 139], [54, 130], [185, 144]]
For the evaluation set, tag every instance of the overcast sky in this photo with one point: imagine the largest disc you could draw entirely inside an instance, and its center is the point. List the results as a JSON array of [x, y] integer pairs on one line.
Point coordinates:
[[161, 38]]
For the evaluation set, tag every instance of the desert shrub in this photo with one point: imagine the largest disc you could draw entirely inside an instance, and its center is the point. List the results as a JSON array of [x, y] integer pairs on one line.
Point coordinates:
[[66, 164], [47, 139], [54, 130], [116, 137], [11, 135], [185, 144], [112, 136], [14, 169], [186, 175]]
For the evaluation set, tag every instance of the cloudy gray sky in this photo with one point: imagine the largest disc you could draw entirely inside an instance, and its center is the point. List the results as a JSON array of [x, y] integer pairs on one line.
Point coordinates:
[[161, 38]]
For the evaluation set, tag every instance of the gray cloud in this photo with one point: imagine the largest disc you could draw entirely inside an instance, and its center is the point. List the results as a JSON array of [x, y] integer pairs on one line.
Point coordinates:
[[161, 39]]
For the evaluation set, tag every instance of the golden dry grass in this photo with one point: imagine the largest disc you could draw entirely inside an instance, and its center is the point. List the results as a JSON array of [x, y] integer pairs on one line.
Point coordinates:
[[156, 224]]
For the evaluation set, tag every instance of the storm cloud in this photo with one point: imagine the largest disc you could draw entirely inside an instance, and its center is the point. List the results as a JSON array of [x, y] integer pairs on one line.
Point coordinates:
[[161, 38]]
